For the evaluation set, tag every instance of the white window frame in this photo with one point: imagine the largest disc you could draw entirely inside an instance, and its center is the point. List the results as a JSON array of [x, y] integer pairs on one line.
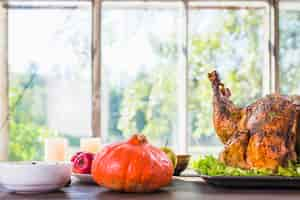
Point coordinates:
[[270, 72], [3, 82]]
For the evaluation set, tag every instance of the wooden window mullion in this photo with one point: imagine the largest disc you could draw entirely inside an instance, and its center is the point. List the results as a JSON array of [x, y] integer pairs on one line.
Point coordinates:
[[274, 45], [96, 69]]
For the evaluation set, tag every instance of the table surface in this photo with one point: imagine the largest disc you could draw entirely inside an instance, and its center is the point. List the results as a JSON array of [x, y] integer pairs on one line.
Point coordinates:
[[178, 190]]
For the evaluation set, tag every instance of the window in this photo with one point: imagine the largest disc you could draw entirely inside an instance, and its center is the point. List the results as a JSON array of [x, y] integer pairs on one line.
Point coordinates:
[[50, 76], [289, 48], [231, 41], [154, 59], [141, 54]]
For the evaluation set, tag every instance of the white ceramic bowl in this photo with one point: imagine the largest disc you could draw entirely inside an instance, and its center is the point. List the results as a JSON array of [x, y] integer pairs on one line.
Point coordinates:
[[28, 177]]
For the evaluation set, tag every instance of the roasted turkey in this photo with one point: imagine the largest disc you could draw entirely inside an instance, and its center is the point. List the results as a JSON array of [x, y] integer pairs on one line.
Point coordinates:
[[261, 135]]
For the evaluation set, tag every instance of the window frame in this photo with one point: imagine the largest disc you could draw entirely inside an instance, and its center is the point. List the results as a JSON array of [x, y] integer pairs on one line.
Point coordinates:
[[4, 108], [270, 72]]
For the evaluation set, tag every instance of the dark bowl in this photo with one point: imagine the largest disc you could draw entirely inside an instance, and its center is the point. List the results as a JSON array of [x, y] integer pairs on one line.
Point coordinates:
[[182, 163]]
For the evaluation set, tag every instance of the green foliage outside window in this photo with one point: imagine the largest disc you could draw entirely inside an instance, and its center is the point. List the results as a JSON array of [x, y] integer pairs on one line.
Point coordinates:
[[26, 129]]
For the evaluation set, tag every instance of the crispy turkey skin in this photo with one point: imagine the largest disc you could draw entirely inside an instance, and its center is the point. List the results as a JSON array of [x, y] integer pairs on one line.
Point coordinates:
[[261, 135]]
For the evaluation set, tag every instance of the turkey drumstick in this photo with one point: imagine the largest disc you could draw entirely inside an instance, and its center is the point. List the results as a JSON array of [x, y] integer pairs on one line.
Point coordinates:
[[224, 110]]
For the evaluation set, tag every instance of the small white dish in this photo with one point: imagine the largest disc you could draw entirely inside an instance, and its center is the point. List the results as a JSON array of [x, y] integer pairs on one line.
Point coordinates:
[[34, 177], [84, 178]]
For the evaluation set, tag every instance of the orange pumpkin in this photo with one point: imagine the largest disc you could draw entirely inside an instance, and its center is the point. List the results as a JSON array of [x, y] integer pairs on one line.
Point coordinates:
[[132, 166]]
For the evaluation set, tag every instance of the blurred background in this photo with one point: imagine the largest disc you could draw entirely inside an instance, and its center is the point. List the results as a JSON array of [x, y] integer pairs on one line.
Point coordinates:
[[144, 48]]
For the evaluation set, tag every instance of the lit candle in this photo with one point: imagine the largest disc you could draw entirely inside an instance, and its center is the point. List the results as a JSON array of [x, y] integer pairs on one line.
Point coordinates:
[[56, 149], [91, 145]]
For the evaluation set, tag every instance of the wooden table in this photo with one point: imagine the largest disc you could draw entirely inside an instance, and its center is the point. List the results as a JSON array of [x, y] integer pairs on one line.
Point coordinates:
[[179, 190]]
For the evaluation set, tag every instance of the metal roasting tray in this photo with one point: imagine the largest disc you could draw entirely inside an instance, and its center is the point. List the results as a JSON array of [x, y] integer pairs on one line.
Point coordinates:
[[253, 181]]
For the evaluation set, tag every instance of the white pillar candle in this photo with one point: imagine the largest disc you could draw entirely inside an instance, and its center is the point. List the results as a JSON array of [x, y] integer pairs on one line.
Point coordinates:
[[56, 149], [91, 145]]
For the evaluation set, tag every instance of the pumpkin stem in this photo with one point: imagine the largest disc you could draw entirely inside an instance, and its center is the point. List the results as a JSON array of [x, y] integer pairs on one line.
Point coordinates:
[[138, 139]]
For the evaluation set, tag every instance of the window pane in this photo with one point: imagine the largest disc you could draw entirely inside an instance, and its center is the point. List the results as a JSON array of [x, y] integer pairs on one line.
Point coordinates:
[[231, 41], [141, 53], [50, 75], [290, 48]]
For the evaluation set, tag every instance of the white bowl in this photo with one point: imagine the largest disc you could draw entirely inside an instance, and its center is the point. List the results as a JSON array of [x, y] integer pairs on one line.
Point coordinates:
[[28, 177]]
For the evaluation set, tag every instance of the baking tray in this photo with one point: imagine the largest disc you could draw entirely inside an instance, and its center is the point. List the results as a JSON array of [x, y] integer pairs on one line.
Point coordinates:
[[253, 181]]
